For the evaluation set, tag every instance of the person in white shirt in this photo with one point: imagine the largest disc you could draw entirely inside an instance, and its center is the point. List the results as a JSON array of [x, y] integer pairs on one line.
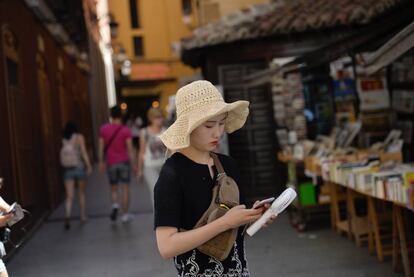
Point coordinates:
[[151, 150], [4, 218]]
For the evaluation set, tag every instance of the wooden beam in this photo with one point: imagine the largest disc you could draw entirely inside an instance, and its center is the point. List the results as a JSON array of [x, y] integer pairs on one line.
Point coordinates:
[[390, 51]]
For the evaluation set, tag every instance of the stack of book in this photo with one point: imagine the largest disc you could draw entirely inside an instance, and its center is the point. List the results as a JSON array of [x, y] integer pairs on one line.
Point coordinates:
[[389, 185], [394, 183], [363, 177]]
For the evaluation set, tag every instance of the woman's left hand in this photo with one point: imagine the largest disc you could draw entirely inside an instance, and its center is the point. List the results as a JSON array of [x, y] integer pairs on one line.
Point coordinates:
[[264, 209]]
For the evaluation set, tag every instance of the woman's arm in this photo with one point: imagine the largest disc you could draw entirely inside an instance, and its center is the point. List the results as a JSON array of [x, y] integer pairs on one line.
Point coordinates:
[[101, 146], [4, 206], [84, 153], [130, 149], [172, 243]]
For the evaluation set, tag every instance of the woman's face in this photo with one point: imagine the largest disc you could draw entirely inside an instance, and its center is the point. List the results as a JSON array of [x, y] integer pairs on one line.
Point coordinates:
[[206, 137], [157, 120]]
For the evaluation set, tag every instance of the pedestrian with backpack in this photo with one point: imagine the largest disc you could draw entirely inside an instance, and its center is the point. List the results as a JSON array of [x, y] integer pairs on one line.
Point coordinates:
[[76, 164], [115, 146]]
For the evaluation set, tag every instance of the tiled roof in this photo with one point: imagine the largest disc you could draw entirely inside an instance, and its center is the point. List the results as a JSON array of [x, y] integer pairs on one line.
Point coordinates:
[[285, 17]]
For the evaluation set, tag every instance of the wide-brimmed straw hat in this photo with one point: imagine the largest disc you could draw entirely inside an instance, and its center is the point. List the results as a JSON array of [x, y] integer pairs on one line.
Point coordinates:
[[196, 103]]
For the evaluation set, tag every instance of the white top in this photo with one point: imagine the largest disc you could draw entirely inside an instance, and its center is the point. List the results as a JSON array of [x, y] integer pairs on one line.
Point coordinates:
[[154, 149]]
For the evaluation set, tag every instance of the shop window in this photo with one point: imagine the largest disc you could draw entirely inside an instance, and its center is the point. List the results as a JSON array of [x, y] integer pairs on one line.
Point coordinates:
[[134, 12], [138, 47], [187, 7]]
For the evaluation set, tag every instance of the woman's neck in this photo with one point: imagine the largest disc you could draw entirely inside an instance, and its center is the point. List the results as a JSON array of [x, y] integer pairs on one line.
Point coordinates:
[[155, 128], [116, 121], [201, 157]]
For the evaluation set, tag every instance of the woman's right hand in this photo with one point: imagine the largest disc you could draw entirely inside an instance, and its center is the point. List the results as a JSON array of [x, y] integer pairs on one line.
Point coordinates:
[[5, 218], [239, 215]]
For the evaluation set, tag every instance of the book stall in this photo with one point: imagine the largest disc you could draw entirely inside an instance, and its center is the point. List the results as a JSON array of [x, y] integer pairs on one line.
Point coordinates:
[[348, 180], [358, 164], [386, 185], [357, 172]]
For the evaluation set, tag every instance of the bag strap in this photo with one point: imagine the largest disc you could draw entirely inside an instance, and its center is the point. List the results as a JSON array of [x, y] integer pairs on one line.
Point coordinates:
[[221, 172], [217, 164], [112, 139]]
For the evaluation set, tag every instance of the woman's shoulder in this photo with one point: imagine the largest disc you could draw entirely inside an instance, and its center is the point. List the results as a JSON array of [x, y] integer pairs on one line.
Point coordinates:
[[226, 160], [230, 166], [79, 138], [172, 164], [169, 172], [178, 160], [105, 126], [174, 161], [177, 163], [126, 129]]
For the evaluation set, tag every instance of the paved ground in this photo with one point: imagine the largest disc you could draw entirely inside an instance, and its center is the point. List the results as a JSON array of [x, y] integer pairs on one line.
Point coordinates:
[[102, 249]]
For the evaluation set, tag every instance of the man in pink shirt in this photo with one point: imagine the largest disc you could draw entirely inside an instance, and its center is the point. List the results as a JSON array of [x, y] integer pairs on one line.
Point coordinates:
[[115, 144]]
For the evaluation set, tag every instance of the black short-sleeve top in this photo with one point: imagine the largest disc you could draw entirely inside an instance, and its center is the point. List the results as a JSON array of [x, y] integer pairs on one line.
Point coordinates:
[[182, 194]]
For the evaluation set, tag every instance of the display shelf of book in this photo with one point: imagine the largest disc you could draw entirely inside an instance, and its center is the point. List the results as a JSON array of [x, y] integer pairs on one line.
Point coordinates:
[[349, 179], [384, 187]]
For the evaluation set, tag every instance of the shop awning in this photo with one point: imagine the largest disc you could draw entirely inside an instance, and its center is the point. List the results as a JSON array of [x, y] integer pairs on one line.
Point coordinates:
[[288, 17], [322, 55], [392, 50], [367, 39], [266, 75]]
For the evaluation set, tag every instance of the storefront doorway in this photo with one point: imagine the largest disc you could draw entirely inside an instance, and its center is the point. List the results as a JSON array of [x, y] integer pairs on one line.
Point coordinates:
[[254, 146]]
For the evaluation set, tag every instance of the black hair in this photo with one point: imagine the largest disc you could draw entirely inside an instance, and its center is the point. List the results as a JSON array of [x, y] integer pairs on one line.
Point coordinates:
[[69, 130], [116, 112]]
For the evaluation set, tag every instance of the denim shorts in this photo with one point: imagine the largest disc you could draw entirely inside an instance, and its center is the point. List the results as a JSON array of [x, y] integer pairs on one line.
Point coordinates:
[[74, 173], [119, 173]]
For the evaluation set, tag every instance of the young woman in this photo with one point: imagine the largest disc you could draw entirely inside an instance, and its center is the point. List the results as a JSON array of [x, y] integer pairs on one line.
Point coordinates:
[[183, 191], [151, 150], [75, 143]]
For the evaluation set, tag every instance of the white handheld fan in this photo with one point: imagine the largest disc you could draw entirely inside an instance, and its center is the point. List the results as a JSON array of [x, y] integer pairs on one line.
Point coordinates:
[[280, 204]]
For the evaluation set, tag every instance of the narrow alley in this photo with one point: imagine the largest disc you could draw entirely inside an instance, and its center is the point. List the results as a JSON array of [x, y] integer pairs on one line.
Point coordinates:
[[314, 97]]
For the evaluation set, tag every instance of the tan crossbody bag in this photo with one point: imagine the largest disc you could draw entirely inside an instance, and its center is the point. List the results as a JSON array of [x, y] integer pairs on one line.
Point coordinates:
[[225, 196]]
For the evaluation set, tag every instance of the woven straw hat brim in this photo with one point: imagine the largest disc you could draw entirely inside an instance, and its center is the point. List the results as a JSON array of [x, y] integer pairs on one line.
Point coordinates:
[[177, 136]]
